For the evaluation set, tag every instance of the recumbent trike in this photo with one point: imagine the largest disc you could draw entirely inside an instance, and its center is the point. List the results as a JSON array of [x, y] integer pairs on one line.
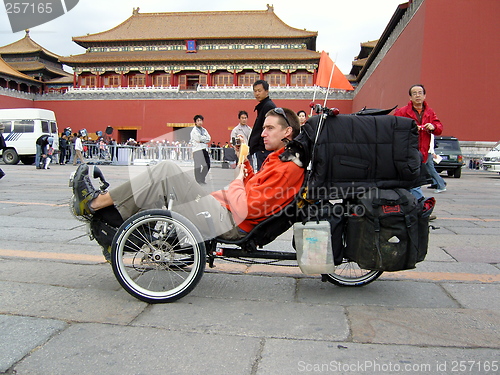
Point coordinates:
[[159, 256]]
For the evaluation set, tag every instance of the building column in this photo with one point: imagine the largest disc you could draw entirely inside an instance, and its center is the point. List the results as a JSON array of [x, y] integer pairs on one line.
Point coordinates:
[[288, 76]]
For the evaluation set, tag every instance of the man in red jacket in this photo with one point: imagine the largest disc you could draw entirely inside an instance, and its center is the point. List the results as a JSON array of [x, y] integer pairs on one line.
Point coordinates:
[[248, 200], [427, 121]]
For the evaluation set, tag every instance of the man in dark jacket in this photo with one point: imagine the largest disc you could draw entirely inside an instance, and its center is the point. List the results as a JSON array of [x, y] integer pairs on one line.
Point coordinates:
[[256, 143], [2, 146], [63, 146], [41, 149]]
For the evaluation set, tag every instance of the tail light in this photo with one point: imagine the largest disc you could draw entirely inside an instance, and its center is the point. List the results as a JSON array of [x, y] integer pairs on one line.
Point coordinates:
[[460, 158]]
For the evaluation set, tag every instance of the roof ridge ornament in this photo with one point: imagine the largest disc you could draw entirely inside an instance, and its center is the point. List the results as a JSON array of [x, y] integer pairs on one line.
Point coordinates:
[[270, 8], [135, 11]]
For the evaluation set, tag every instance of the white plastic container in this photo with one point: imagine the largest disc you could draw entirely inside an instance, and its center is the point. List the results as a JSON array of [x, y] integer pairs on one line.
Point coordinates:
[[313, 243]]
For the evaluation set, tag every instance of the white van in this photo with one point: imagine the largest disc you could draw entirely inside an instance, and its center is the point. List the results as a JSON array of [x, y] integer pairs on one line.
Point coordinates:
[[491, 161], [23, 126]]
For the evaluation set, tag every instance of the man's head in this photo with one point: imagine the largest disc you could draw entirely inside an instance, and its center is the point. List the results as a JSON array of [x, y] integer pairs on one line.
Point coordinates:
[[279, 123], [417, 95], [260, 90], [243, 117], [198, 120]]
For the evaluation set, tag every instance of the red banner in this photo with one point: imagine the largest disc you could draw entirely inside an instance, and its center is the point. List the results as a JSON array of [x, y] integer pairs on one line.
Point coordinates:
[[338, 80]]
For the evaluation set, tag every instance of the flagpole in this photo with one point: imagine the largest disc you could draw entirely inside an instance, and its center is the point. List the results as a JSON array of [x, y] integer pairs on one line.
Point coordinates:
[[314, 98], [329, 83]]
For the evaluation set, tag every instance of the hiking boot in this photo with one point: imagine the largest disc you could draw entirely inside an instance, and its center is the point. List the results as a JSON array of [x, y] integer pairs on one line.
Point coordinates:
[[84, 191]]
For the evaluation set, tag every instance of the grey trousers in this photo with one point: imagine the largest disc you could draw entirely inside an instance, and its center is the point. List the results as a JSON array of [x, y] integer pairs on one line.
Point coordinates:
[[154, 187]]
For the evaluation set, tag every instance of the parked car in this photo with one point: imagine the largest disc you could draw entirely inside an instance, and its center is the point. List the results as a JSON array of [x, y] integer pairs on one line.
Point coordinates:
[[491, 161], [448, 148]]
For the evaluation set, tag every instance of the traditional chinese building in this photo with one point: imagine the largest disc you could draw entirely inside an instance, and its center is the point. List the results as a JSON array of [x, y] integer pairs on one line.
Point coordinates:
[[12, 79], [28, 57], [191, 49]]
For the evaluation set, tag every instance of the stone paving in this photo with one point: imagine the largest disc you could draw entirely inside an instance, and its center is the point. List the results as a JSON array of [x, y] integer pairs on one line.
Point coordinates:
[[63, 312]]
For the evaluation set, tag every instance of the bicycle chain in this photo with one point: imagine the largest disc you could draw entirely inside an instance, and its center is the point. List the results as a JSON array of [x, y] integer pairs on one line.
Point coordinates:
[[248, 261]]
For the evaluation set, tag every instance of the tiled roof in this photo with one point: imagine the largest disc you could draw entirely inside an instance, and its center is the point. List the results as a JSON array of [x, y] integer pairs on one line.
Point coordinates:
[[198, 25], [30, 66], [204, 55], [25, 45], [8, 70], [60, 80], [359, 62], [370, 44]]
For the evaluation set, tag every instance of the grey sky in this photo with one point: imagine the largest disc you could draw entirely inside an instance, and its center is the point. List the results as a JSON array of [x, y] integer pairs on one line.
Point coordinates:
[[341, 24]]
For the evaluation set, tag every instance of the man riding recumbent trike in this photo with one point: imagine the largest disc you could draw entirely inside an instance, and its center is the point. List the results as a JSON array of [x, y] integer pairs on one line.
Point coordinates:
[[352, 214]]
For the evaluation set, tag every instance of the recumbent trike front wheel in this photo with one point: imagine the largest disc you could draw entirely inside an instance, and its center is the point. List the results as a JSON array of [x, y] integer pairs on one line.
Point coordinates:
[[158, 256]]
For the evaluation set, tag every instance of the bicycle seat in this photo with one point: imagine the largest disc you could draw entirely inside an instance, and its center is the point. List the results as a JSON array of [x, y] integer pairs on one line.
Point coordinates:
[[268, 230]]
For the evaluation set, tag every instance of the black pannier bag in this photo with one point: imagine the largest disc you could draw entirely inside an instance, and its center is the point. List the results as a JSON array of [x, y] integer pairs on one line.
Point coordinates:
[[356, 152], [387, 230]]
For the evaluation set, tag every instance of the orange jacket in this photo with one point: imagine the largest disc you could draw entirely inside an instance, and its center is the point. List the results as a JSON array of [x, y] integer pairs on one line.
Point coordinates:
[[262, 194]]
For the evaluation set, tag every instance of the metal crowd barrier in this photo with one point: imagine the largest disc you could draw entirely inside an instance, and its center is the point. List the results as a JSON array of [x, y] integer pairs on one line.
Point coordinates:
[[144, 154]]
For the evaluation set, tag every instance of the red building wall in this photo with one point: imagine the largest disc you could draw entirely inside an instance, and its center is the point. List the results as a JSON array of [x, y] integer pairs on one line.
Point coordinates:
[[450, 46], [460, 64], [388, 85], [9, 102], [150, 117]]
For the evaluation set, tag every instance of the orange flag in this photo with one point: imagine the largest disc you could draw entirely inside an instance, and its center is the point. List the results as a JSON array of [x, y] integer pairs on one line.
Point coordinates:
[[338, 80]]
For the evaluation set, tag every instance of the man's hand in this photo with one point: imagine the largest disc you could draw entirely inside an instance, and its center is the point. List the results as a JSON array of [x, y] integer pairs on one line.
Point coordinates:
[[242, 173], [430, 127]]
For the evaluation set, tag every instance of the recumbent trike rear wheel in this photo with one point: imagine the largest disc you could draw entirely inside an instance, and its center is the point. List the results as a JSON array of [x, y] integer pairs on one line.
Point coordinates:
[[350, 274]]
